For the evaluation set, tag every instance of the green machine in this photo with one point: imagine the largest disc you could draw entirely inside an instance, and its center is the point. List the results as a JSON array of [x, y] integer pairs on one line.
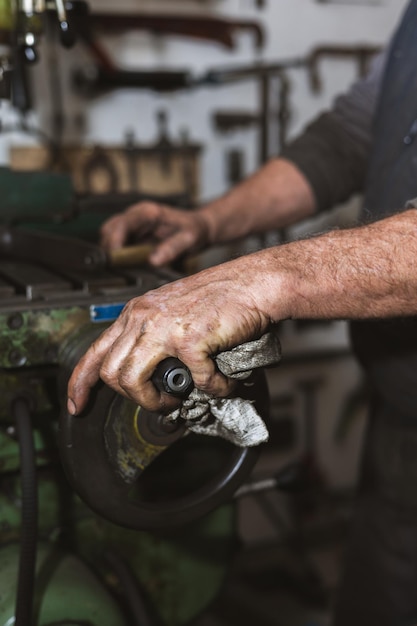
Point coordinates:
[[115, 518]]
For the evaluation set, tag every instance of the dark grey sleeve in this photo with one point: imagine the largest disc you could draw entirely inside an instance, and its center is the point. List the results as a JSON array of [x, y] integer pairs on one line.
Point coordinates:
[[333, 151]]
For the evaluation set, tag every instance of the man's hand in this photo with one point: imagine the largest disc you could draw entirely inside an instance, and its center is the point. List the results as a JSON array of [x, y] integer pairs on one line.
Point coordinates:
[[359, 273], [191, 319], [174, 231], [275, 196]]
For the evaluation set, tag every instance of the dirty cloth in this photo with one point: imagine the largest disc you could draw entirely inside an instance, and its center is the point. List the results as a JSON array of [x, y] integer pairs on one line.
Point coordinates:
[[234, 419]]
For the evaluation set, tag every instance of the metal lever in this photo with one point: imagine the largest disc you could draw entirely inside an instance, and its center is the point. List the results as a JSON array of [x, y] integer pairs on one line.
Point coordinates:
[[66, 33], [173, 377]]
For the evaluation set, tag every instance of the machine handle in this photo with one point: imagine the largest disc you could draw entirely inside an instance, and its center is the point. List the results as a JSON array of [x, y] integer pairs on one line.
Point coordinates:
[[130, 255], [66, 31], [173, 377]]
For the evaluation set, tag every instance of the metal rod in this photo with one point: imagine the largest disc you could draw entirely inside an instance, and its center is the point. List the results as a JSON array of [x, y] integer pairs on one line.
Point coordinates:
[[29, 518]]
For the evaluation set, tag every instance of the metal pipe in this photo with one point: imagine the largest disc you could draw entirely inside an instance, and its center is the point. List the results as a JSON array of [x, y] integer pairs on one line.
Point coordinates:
[[29, 516]]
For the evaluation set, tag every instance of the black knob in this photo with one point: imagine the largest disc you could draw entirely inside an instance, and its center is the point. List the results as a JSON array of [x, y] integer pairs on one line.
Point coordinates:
[[30, 54], [173, 377], [66, 34]]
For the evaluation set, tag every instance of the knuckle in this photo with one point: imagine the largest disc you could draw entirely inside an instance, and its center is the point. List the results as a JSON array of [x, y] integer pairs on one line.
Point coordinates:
[[189, 237], [108, 374], [128, 381], [144, 209], [203, 379], [111, 224], [214, 384]]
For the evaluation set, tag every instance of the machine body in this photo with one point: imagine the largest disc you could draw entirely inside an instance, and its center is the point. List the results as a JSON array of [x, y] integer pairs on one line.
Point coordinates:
[[48, 317]]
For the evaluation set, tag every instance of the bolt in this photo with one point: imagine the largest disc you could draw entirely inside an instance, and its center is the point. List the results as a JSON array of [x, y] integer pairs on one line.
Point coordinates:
[[15, 321], [16, 357]]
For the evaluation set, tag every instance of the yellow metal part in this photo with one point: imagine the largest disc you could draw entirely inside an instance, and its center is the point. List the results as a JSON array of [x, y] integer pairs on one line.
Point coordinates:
[[130, 255], [129, 451], [7, 15]]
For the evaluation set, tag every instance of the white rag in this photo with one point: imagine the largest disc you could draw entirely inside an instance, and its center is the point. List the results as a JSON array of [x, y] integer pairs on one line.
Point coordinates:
[[234, 419]]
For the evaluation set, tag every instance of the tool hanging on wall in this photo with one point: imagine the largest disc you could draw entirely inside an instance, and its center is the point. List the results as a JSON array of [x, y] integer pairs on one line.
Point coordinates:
[[227, 121], [100, 166], [171, 157], [267, 114], [105, 74], [166, 150], [132, 151], [361, 54], [206, 28], [163, 146], [234, 166]]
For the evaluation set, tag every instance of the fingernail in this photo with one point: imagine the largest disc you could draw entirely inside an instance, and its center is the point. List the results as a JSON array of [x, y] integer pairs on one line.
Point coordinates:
[[71, 408]]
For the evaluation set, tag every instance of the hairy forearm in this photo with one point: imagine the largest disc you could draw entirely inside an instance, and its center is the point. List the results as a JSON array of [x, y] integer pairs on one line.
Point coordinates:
[[275, 196], [366, 272]]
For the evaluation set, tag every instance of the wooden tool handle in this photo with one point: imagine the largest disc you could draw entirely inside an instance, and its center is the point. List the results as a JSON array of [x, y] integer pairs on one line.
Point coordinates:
[[130, 256]]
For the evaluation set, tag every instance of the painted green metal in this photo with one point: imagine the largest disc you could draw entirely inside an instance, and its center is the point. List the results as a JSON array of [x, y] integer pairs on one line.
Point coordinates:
[[33, 337], [6, 15], [179, 572], [37, 196], [68, 591], [43, 200]]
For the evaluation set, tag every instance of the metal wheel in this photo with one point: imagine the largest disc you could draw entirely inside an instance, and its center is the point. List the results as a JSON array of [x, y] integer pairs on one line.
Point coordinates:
[[137, 469]]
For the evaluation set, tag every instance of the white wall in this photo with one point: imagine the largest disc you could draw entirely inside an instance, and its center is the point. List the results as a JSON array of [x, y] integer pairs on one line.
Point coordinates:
[[292, 27]]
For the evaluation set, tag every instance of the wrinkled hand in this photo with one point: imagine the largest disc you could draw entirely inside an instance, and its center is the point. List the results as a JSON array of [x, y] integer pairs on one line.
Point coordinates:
[[191, 319], [177, 231]]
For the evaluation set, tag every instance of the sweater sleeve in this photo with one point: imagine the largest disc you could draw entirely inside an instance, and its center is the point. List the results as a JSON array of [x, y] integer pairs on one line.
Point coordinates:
[[333, 151]]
